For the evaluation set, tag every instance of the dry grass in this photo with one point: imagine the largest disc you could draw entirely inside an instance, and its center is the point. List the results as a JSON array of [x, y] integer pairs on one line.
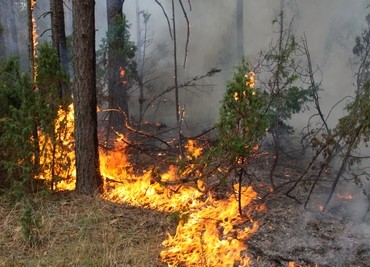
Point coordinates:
[[76, 230]]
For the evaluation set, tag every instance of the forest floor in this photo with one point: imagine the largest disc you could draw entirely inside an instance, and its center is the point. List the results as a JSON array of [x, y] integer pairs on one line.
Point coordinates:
[[66, 229]]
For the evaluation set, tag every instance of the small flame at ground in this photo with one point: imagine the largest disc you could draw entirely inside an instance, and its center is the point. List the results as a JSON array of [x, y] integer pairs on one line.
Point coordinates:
[[193, 149], [293, 264]]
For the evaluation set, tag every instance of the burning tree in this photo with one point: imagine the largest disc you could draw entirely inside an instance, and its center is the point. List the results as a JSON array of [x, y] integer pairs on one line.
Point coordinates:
[[241, 128], [31, 138], [120, 65]]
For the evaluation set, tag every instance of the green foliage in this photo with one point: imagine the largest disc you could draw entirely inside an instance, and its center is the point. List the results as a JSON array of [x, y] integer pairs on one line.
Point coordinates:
[[30, 223], [49, 73], [27, 111], [49, 78], [354, 128], [243, 119], [118, 37], [17, 127], [53, 121], [286, 89]]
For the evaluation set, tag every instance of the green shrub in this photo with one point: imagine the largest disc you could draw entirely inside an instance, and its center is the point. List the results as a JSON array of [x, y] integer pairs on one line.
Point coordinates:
[[28, 113]]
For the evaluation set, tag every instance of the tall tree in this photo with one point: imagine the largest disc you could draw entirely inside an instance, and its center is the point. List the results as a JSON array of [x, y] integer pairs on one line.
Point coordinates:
[[59, 41], [89, 180], [32, 39], [118, 96]]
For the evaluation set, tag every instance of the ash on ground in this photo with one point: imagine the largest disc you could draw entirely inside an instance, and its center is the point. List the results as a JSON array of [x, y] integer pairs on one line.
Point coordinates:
[[337, 237]]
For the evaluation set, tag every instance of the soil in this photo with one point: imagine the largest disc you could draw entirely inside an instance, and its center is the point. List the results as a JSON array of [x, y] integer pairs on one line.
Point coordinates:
[[310, 237], [289, 232]]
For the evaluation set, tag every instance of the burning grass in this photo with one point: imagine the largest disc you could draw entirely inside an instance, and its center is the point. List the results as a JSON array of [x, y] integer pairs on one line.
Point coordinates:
[[210, 232], [77, 230]]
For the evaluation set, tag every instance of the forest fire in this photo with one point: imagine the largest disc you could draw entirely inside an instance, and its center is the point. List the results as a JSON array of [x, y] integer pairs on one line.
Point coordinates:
[[57, 154], [210, 232]]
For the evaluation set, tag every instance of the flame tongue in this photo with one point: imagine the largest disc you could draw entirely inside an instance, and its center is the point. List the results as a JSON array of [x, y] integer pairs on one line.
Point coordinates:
[[210, 232], [209, 236]]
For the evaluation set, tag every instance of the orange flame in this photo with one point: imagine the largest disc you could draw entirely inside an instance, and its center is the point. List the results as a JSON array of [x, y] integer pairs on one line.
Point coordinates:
[[251, 81], [345, 196], [122, 75], [193, 149], [293, 264], [34, 43], [57, 152], [210, 232]]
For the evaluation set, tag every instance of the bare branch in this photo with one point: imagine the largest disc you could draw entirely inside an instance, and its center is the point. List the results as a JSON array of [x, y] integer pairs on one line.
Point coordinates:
[[187, 32], [210, 73], [168, 20], [189, 2]]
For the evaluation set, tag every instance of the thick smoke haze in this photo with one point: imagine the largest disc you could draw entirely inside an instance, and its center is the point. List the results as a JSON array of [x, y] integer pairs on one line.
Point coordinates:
[[330, 27]]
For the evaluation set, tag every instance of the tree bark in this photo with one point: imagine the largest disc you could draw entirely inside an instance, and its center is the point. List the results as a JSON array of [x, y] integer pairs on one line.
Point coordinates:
[[89, 180], [118, 96], [60, 42], [32, 36]]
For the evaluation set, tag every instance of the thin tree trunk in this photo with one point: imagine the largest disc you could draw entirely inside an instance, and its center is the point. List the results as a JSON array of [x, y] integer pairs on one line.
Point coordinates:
[[118, 96], [60, 43], [177, 108], [89, 180], [32, 35], [144, 43]]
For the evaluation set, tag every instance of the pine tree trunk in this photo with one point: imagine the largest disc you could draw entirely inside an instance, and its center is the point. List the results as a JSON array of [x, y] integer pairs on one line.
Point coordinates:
[[89, 180], [60, 42], [118, 97]]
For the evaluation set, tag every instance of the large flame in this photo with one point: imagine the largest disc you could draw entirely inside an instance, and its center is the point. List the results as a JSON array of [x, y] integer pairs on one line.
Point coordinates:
[[210, 232], [57, 159]]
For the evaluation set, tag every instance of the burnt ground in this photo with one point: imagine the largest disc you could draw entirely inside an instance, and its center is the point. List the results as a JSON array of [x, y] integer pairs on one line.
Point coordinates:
[[288, 232]]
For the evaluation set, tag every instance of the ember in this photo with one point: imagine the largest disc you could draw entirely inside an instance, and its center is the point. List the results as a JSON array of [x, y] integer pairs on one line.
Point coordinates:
[[345, 196], [293, 264]]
